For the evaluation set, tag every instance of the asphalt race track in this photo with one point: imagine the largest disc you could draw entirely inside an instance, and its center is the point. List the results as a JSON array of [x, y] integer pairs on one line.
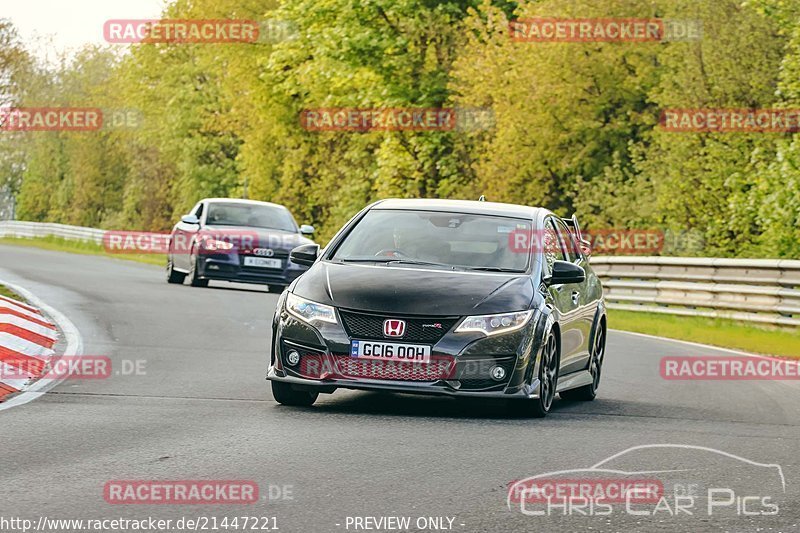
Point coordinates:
[[203, 410]]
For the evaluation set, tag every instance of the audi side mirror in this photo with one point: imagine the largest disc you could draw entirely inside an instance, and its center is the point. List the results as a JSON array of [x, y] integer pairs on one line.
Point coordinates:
[[565, 272], [305, 254], [307, 230], [586, 248], [190, 219]]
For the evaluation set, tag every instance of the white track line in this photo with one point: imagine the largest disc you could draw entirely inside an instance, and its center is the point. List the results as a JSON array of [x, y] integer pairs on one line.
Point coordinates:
[[696, 344], [71, 334], [786, 382]]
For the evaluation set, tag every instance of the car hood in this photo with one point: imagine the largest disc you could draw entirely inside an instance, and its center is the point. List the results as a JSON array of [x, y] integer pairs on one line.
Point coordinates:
[[260, 237], [413, 290]]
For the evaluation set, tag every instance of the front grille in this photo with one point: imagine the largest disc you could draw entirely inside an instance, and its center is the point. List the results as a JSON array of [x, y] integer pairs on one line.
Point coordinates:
[[418, 329], [440, 367], [277, 254], [311, 365]]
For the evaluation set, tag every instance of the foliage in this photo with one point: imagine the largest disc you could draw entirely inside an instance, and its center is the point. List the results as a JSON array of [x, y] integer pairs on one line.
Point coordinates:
[[575, 124]]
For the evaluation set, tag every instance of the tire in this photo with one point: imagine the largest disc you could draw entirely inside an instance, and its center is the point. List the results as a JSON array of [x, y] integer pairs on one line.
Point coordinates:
[[173, 276], [194, 280], [587, 393], [285, 395], [548, 377], [275, 289]]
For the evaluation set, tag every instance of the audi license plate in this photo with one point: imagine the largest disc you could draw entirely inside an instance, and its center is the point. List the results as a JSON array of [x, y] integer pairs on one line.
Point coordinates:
[[263, 262], [390, 351]]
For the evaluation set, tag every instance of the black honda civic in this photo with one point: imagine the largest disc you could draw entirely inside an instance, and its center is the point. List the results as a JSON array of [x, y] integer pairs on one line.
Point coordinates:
[[444, 297]]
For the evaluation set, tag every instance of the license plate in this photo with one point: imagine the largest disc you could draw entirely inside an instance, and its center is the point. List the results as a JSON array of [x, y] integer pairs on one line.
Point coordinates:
[[262, 262], [390, 351]]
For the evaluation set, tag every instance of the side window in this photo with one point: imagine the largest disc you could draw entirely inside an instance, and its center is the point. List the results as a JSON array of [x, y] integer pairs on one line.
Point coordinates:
[[568, 245], [550, 247], [199, 211]]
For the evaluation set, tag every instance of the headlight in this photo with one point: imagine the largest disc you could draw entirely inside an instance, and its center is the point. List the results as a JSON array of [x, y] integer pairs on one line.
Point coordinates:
[[213, 245], [495, 324], [309, 311]]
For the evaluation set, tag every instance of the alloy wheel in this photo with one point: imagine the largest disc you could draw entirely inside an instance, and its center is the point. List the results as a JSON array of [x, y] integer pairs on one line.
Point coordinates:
[[549, 372]]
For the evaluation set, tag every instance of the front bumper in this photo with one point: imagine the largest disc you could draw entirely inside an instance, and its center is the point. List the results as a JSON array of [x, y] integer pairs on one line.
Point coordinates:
[[230, 267], [468, 358], [527, 392]]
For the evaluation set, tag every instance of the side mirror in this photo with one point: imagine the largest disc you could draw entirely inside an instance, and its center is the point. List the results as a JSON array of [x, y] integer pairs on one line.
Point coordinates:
[[305, 254], [565, 272], [190, 219], [306, 229]]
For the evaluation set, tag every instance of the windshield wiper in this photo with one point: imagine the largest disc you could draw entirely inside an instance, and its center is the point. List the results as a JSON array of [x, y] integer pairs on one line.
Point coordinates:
[[364, 260], [390, 261], [425, 263], [497, 269]]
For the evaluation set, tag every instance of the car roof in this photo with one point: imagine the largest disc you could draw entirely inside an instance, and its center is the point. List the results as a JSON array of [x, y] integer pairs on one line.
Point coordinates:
[[240, 201], [462, 206]]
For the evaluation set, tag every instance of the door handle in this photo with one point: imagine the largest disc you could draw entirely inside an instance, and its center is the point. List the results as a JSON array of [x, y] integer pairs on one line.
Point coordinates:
[[575, 295]]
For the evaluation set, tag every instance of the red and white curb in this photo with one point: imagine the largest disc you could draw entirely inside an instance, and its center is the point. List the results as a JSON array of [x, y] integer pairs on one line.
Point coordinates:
[[27, 337], [26, 345]]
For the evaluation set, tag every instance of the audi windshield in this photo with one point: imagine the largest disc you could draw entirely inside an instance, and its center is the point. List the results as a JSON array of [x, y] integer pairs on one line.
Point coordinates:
[[248, 215]]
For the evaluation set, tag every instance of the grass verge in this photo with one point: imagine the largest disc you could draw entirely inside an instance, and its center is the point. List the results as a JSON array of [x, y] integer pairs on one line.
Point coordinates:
[[79, 247], [725, 333], [8, 293]]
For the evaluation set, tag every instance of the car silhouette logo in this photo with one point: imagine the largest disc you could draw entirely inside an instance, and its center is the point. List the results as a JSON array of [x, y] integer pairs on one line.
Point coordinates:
[[394, 328]]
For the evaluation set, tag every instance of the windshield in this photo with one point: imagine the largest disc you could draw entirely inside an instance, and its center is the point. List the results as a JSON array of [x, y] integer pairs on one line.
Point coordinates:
[[250, 215], [450, 240]]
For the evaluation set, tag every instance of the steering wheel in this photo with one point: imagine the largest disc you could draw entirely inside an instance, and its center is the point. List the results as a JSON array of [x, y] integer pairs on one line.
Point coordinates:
[[391, 252]]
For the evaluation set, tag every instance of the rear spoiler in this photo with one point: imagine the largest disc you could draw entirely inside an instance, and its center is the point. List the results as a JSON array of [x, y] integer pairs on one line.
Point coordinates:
[[575, 228]]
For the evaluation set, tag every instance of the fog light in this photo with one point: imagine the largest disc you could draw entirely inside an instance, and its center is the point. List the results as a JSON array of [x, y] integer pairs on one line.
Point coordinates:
[[293, 358], [497, 373]]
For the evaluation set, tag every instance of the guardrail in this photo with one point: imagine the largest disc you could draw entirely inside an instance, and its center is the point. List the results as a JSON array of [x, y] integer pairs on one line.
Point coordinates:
[[15, 228], [753, 290]]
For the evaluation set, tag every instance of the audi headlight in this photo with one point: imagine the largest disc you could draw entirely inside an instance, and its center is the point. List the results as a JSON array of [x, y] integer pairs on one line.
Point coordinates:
[[213, 245], [309, 311], [495, 324]]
